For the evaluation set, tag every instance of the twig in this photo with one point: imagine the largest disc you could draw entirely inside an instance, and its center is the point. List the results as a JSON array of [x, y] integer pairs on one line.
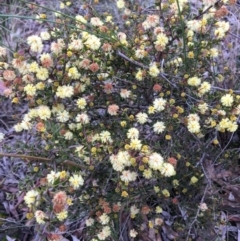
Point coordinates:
[[197, 214], [131, 60], [234, 35], [162, 75], [143, 66], [39, 159], [225, 147], [33, 158], [218, 88]]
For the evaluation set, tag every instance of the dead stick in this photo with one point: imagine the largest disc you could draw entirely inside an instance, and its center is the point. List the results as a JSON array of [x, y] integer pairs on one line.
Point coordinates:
[[35, 158], [39, 159]]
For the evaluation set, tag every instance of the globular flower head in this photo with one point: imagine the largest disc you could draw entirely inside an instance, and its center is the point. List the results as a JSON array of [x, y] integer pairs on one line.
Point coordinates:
[[159, 104], [62, 215], [155, 161], [52, 177], [76, 181], [40, 217], [104, 219], [133, 133], [167, 170], [60, 198], [113, 109], [194, 81], [193, 126], [64, 91], [153, 70], [31, 197], [128, 176], [227, 100], [159, 127]]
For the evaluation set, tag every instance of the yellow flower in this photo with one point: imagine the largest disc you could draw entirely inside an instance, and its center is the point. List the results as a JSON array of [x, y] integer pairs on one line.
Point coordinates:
[[69, 202], [133, 133], [142, 117], [227, 100], [15, 100], [40, 86], [64, 91], [156, 189], [175, 183], [213, 52], [120, 4], [33, 67], [161, 41], [62, 215], [30, 89], [153, 70], [159, 104], [158, 208], [159, 127], [81, 103], [204, 88], [191, 55], [168, 137], [44, 112], [42, 73], [194, 81], [76, 181], [147, 173], [139, 75], [105, 136], [184, 190], [145, 149], [124, 194], [203, 107], [73, 73], [167, 170], [93, 42], [193, 180], [232, 126], [215, 142], [166, 193], [193, 126], [31, 197], [127, 147], [145, 159], [29, 216], [81, 19], [180, 110], [223, 124], [40, 216], [123, 123], [150, 224], [135, 144], [151, 110], [104, 219], [62, 175], [155, 161]]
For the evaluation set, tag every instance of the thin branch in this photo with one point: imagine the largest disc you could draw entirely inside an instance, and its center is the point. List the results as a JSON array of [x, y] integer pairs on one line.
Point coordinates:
[[26, 157], [131, 60], [227, 90], [162, 75], [197, 214], [143, 66], [39, 159]]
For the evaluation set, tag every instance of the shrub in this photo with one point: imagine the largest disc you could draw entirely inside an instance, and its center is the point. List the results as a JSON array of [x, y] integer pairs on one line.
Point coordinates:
[[127, 115]]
